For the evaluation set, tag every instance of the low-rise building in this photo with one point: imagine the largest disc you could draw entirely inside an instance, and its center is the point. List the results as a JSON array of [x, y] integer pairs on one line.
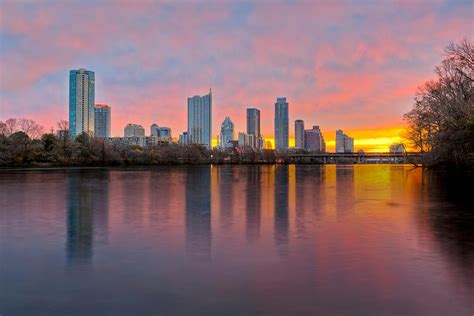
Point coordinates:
[[142, 141], [132, 130]]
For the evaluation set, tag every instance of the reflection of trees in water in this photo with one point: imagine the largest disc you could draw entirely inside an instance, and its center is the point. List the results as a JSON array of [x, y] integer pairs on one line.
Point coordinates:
[[451, 218], [281, 209], [253, 200], [198, 212], [87, 206]]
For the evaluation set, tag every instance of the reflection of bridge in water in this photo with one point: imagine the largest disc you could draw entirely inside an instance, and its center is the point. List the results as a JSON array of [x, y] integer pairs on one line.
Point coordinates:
[[356, 158]]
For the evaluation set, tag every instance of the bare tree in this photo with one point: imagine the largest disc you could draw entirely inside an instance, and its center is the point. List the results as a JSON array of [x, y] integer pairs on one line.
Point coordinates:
[[63, 125], [30, 128], [11, 126], [3, 128]]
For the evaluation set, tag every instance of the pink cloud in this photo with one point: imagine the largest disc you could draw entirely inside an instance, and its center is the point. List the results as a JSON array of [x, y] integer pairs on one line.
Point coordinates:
[[350, 64]]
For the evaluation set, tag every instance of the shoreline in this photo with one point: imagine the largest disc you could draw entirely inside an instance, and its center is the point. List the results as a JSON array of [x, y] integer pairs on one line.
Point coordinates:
[[151, 166]]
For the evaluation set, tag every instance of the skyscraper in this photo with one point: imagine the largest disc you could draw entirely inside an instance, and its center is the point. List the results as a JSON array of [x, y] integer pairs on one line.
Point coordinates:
[[281, 124], [227, 132], [344, 143], [81, 101], [299, 134], [253, 126], [102, 117], [314, 140], [200, 119]]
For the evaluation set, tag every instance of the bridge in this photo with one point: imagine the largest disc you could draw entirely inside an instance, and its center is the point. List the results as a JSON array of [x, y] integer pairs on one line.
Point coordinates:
[[356, 158]]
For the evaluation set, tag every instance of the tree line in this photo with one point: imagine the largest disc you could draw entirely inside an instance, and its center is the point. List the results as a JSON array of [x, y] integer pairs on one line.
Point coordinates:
[[441, 122], [22, 144]]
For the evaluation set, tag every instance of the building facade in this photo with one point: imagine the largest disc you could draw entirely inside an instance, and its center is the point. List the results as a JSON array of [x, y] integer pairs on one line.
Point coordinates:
[[102, 120], [281, 124], [245, 140], [142, 141], [200, 119], [299, 134], [134, 130], [164, 132], [314, 140], [344, 143], [185, 139], [397, 148], [253, 126], [81, 102], [227, 132], [154, 130]]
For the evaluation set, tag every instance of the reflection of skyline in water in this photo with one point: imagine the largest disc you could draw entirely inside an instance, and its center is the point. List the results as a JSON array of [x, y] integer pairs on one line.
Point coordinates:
[[253, 203], [281, 209], [87, 214], [225, 179], [344, 190], [198, 212], [297, 238]]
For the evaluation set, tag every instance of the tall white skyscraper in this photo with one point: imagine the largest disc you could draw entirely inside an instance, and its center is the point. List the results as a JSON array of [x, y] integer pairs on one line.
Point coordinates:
[[81, 102], [253, 127], [200, 119], [281, 124], [299, 133]]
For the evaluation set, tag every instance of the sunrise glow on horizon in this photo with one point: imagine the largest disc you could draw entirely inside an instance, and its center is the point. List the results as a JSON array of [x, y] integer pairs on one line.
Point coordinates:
[[339, 64]]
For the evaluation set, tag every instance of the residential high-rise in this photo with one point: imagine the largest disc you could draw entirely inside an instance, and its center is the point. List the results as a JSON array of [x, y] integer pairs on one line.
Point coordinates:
[[299, 133], [314, 140], [281, 124], [102, 117], [132, 130], [200, 119], [154, 130], [161, 132], [81, 101], [344, 143], [227, 132], [253, 126]]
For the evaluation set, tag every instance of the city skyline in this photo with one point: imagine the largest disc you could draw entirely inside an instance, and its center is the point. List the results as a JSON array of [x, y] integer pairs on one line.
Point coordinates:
[[350, 62]]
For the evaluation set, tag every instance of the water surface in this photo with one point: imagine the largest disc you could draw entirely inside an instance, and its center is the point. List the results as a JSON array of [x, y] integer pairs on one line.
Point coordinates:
[[236, 240]]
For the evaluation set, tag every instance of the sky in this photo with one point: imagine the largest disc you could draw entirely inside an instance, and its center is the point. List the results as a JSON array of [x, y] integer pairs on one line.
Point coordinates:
[[351, 65]]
